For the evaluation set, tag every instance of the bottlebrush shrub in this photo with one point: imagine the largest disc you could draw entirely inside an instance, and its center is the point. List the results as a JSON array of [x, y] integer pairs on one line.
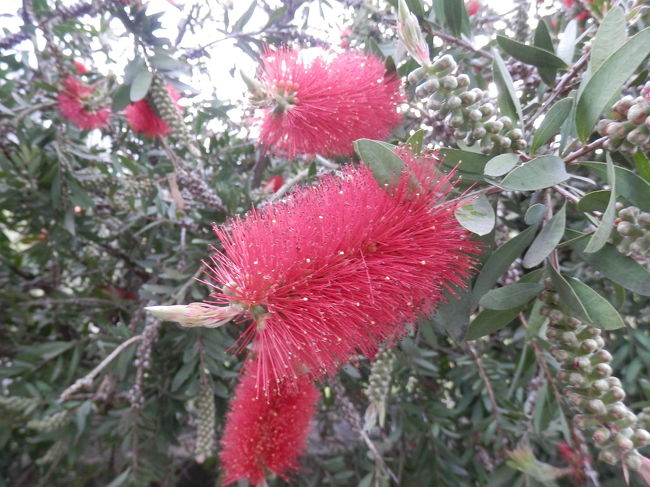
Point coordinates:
[[143, 119], [337, 268], [266, 434], [324, 104], [76, 103]]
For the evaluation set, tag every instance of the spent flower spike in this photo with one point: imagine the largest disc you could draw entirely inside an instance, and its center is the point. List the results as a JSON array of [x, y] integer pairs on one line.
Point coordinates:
[[322, 105], [266, 435], [337, 269]]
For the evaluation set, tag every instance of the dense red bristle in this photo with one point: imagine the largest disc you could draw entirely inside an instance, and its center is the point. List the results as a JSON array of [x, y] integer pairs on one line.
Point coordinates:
[[266, 434], [340, 98], [72, 102], [341, 267], [143, 119]]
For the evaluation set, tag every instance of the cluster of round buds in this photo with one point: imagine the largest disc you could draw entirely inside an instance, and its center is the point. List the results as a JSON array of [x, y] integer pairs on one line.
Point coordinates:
[[468, 110], [143, 360], [629, 128], [53, 453], [633, 225], [379, 382], [205, 423], [17, 404], [525, 73], [344, 409], [590, 388], [521, 20], [50, 423], [198, 189], [644, 417]]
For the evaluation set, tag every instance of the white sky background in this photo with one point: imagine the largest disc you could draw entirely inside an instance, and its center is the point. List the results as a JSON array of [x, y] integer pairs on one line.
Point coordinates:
[[224, 55]]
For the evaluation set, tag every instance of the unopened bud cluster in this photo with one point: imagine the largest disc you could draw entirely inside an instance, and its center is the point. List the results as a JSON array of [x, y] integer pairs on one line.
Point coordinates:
[[629, 128], [198, 189], [53, 453], [50, 423], [205, 424], [468, 110], [379, 382], [590, 389], [633, 225], [17, 404]]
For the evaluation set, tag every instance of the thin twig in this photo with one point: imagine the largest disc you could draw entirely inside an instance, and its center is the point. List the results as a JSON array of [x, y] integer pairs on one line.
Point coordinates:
[[486, 380], [596, 144], [460, 43], [87, 380], [289, 184]]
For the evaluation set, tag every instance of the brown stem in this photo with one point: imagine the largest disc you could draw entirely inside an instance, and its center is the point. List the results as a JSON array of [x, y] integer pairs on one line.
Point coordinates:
[[596, 144]]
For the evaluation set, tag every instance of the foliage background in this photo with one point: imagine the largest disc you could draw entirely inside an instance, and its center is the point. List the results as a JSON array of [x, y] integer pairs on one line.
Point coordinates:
[[97, 226]]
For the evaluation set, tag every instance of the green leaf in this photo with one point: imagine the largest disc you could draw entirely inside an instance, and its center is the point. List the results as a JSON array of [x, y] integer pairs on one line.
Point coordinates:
[[415, 141], [506, 93], [553, 120], [243, 20], [501, 259], [568, 297], [140, 85], [121, 98], [530, 54], [615, 266], [454, 10], [543, 37], [500, 165], [452, 317], [78, 195], [539, 173], [630, 186], [535, 213], [469, 162], [600, 236], [642, 165], [488, 321], [386, 166], [594, 201], [608, 79], [165, 62], [610, 36], [602, 313], [567, 45], [512, 296], [548, 238], [477, 216]]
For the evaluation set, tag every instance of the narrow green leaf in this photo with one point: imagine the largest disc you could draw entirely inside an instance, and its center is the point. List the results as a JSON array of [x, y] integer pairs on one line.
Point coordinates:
[[501, 259], [642, 164], [539, 173], [140, 85], [488, 321], [546, 241], [452, 317], [165, 62], [567, 45], [416, 141], [608, 78], [535, 213], [594, 201], [553, 120], [610, 36], [243, 20], [568, 297], [477, 216], [602, 313], [600, 236], [543, 37], [630, 186], [500, 165], [530, 54], [454, 15], [506, 93], [615, 266], [386, 166], [512, 296]]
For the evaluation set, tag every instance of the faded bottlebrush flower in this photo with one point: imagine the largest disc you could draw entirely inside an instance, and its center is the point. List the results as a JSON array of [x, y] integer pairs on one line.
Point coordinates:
[[143, 119], [322, 105], [338, 268], [80, 67], [76, 103], [266, 434]]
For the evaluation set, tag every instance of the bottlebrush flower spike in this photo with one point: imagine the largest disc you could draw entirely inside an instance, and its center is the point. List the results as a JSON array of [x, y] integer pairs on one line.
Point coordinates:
[[265, 434], [322, 106], [339, 268], [143, 119], [80, 67], [75, 103]]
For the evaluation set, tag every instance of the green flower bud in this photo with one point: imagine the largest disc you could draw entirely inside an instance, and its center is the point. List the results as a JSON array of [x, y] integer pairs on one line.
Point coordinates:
[[448, 82], [638, 112], [429, 87], [641, 437], [454, 102], [623, 442], [444, 64], [614, 394], [588, 346], [516, 134], [596, 406], [468, 98], [602, 370], [633, 461], [601, 435], [600, 386], [417, 75], [463, 80], [506, 122], [487, 110], [608, 456], [623, 105]]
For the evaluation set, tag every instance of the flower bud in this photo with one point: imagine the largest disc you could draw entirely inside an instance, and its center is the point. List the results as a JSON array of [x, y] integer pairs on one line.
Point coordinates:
[[623, 105], [616, 130], [468, 98], [504, 142], [520, 144], [487, 110], [410, 33], [596, 406], [516, 134], [614, 381], [623, 442], [493, 126], [641, 437], [569, 338], [506, 121], [417, 75], [556, 316], [576, 379], [600, 342], [614, 394], [602, 370], [582, 363], [608, 456], [601, 435], [634, 461], [444, 64], [195, 314], [429, 87], [463, 80], [600, 386], [448, 82], [637, 137], [618, 410], [454, 102], [638, 112]]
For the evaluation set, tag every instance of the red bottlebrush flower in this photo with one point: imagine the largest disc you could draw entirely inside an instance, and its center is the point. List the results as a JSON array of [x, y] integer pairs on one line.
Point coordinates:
[[322, 106], [338, 268], [472, 8], [80, 67], [266, 434], [144, 120], [273, 184], [74, 104]]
